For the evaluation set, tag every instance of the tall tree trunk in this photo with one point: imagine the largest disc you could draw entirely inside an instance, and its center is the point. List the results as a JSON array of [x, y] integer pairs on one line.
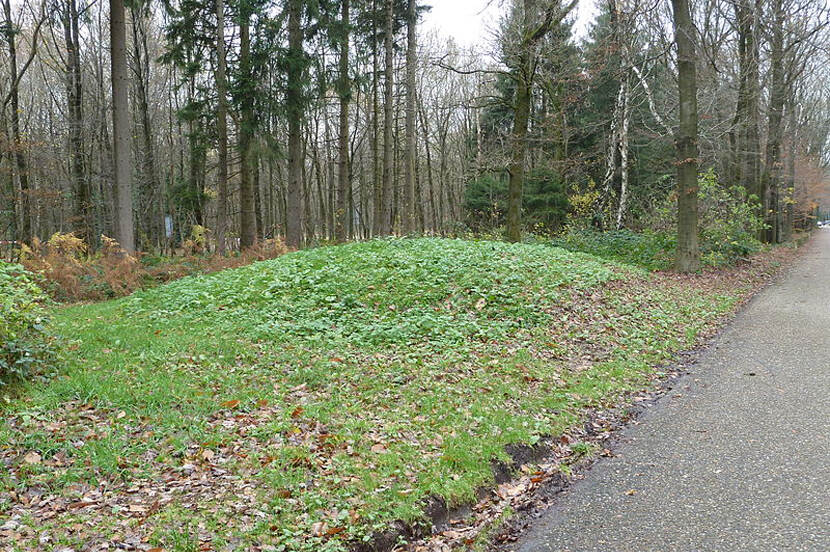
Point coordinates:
[[532, 32], [747, 141], [775, 129], [688, 254], [388, 122], [430, 182], [11, 193], [196, 154], [121, 131], [142, 83], [626, 116], [255, 170], [82, 217], [791, 153], [247, 199], [409, 205], [342, 213], [25, 233], [518, 149], [377, 182], [294, 107], [221, 129]]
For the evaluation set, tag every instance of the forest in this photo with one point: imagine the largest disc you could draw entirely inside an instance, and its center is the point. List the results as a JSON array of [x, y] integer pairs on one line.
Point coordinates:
[[310, 276], [241, 121]]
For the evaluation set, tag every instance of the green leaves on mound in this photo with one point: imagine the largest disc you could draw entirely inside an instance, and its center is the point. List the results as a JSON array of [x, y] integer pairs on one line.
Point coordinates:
[[382, 292], [26, 346]]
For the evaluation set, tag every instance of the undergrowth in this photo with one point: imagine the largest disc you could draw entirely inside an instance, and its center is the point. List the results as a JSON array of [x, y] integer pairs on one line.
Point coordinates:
[[70, 272], [306, 402]]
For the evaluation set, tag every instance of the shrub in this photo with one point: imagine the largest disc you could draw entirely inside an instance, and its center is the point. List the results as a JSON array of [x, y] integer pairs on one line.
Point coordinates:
[[26, 345], [69, 272], [730, 220], [650, 250], [545, 205], [485, 202]]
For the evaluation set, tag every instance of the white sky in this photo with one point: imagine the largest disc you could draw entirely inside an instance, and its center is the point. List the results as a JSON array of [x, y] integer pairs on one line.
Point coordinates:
[[470, 21]]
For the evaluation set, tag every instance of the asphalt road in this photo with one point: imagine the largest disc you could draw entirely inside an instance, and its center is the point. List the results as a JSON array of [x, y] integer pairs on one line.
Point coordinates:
[[740, 460]]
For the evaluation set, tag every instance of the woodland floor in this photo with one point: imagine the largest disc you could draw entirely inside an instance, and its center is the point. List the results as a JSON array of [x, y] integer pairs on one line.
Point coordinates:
[[307, 402]]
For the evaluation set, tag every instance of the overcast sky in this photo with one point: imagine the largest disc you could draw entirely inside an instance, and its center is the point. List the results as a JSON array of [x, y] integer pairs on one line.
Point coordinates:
[[469, 21]]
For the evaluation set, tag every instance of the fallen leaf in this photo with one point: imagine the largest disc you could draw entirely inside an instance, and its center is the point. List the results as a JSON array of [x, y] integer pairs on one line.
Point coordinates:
[[32, 457], [261, 403], [335, 530], [297, 412], [378, 448], [120, 415], [208, 455], [230, 404], [319, 529]]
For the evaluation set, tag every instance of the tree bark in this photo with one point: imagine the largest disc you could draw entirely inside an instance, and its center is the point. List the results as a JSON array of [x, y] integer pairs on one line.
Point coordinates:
[[221, 129], [342, 213], [532, 32], [247, 218], [388, 122], [142, 83], [775, 128], [121, 131], [747, 141], [82, 217], [294, 107], [25, 233], [626, 116], [688, 254], [377, 182], [409, 206]]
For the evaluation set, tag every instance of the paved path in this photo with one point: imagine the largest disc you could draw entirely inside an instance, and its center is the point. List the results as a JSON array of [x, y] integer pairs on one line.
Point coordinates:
[[737, 461]]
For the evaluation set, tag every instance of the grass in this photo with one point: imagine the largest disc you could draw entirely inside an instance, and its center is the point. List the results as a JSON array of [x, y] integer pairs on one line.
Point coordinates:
[[306, 402]]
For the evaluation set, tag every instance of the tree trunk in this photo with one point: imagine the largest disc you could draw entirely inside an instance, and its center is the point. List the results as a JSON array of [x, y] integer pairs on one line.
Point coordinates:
[[626, 116], [532, 32], [775, 129], [388, 121], [142, 83], [790, 188], [688, 254], [221, 130], [747, 140], [521, 115], [121, 131], [409, 205], [342, 214], [294, 107], [25, 233], [81, 221], [518, 149], [377, 183], [247, 199]]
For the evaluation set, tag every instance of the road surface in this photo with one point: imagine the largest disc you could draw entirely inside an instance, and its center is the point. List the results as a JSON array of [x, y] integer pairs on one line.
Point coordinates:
[[740, 460]]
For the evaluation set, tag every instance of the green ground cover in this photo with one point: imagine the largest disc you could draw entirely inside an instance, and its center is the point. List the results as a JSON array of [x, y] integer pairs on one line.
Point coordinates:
[[304, 403]]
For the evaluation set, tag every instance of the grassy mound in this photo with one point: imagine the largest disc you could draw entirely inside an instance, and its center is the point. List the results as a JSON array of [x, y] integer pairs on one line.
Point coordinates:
[[307, 401]]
